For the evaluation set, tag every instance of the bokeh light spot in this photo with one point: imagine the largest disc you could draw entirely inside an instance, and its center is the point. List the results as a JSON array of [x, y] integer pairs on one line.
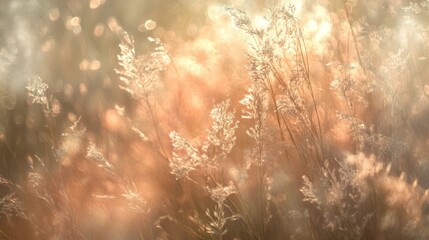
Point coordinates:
[[54, 14], [150, 25], [93, 4], [83, 89], [98, 30], [56, 107], [95, 65]]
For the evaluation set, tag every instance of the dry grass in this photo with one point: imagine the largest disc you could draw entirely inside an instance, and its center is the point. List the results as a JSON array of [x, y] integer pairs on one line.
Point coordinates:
[[312, 125]]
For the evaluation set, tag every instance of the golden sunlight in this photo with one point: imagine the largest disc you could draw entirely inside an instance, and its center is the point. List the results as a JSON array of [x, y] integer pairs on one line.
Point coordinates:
[[216, 119]]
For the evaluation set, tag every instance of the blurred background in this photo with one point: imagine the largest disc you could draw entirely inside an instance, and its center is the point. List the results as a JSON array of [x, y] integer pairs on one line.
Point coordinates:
[[73, 47]]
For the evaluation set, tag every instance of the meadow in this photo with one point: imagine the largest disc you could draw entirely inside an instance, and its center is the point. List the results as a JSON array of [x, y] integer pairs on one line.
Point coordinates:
[[222, 119]]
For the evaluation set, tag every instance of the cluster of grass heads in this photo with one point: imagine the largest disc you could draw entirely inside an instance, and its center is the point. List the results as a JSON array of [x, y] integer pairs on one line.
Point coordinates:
[[328, 138]]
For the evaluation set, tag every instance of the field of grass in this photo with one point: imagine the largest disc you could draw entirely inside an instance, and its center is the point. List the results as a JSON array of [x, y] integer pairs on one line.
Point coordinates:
[[220, 119]]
